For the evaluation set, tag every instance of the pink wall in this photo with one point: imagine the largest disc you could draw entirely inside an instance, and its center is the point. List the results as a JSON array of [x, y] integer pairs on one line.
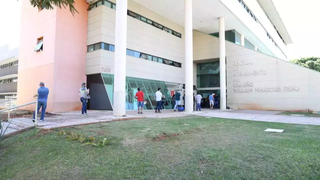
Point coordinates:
[[70, 55], [61, 65]]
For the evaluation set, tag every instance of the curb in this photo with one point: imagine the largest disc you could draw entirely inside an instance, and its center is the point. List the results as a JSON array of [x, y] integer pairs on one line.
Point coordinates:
[[82, 124]]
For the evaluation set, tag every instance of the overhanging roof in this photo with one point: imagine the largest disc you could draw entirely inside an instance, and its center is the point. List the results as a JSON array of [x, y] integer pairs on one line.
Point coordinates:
[[271, 11]]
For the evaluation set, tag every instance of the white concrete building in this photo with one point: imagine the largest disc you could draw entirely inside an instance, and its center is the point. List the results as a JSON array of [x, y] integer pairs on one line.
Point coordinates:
[[175, 45]]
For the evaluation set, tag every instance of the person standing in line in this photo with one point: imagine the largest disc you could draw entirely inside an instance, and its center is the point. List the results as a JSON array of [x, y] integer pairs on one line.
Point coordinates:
[[177, 98], [173, 100], [163, 100], [194, 102], [198, 100], [211, 102], [140, 98], [42, 101], [84, 96], [158, 99]]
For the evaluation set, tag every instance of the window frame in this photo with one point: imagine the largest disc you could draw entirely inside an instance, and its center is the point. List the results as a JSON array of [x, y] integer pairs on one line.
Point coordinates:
[[39, 46]]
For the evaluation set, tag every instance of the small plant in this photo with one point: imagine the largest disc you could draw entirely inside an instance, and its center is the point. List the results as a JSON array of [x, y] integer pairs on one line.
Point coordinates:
[[72, 136]]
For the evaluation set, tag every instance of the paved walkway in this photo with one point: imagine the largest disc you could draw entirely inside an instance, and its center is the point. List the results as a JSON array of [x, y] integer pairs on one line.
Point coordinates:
[[265, 116], [75, 118]]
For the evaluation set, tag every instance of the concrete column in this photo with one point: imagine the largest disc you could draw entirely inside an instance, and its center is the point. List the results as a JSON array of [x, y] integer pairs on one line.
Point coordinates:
[[188, 57], [119, 108], [242, 40], [223, 99]]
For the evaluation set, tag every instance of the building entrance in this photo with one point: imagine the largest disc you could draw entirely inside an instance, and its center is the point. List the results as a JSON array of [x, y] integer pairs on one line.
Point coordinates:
[[208, 81]]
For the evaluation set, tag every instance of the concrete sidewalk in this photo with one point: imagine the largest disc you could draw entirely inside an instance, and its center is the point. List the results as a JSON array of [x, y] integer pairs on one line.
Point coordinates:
[[265, 116], [75, 118]]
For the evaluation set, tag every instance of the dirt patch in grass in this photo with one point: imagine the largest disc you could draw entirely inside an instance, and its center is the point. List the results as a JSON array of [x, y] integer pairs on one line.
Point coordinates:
[[164, 136], [102, 133], [42, 133]]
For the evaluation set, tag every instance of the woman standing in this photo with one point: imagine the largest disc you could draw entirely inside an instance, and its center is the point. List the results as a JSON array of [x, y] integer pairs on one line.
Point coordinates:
[[84, 96]]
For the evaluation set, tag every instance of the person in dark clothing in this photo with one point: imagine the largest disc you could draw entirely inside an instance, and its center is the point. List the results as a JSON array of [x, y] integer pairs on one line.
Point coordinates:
[[173, 101], [177, 98], [163, 100], [42, 101]]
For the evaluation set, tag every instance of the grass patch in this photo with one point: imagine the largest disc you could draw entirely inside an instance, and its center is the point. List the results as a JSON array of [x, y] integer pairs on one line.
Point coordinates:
[[174, 148]]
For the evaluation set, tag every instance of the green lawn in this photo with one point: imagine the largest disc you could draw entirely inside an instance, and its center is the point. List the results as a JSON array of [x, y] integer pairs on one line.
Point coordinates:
[[193, 148]]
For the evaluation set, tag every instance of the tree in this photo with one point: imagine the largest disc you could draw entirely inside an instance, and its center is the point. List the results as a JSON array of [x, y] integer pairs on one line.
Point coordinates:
[[310, 62], [50, 4]]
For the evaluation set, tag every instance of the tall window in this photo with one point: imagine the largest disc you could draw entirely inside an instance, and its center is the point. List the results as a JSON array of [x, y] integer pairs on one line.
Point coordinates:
[[39, 46], [208, 74]]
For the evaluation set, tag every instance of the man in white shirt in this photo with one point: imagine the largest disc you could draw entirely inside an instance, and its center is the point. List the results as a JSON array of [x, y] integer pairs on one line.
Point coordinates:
[[158, 99], [198, 101]]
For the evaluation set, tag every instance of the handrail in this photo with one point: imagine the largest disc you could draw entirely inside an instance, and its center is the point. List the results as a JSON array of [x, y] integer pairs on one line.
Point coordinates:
[[14, 107], [36, 110], [5, 101]]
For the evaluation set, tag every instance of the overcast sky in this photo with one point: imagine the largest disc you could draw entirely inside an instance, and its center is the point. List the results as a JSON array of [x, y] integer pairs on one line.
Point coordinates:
[[301, 17]]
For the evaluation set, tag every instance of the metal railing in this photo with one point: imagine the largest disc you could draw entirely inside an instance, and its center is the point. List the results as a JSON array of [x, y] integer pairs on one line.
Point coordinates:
[[15, 107]]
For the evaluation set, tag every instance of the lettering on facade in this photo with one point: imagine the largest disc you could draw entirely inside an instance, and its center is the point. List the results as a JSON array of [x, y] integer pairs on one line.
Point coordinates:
[[243, 90], [246, 84], [236, 80], [106, 69], [267, 89], [250, 73], [242, 63], [291, 89]]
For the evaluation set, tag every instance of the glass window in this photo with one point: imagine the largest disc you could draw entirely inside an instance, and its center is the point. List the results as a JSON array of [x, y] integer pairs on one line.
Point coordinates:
[[160, 60], [176, 34], [99, 3], [208, 74], [111, 48], [108, 4], [132, 14], [155, 59], [150, 57], [144, 56], [90, 48], [157, 25], [97, 46], [248, 44], [129, 52], [149, 21], [136, 54], [168, 62], [114, 6], [143, 19], [177, 64], [105, 46], [39, 46]]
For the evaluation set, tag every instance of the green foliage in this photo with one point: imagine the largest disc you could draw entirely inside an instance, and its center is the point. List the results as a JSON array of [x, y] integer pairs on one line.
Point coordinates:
[[50, 4], [206, 148], [310, 62], [73, 136]]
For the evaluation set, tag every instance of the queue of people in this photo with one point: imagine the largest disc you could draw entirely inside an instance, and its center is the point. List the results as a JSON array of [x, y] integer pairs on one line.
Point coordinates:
[[159, 97]]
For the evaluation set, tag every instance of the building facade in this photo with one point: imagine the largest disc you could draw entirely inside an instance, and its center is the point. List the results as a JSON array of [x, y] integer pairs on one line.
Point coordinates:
[[8, 73], [234, 48]]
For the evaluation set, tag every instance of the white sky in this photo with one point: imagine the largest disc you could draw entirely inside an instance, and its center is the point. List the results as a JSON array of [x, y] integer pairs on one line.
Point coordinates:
[[301, 17], [10, 22]]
